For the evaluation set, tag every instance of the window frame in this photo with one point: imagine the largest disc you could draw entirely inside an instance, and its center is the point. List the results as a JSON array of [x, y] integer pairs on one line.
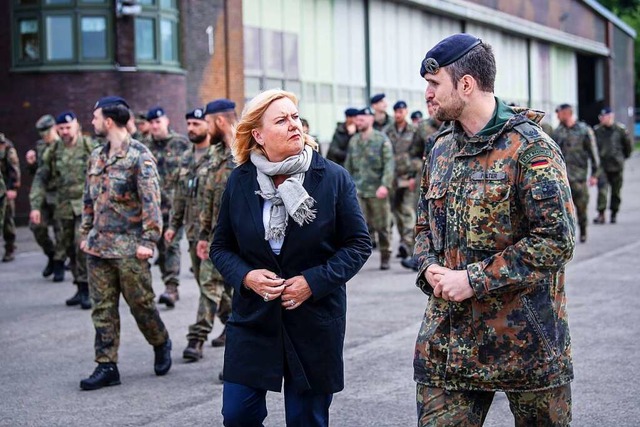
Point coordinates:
[[158, 14]]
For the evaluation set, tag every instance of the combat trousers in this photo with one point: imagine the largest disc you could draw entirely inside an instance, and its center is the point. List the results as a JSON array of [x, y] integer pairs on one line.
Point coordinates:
[[69, 245], [606, 180], [377, 212], [404, 213], [169, 256], [215, 297], [41, 231], [131, 277], [438, 407], [580, 195], [3, 205], [9, 226]]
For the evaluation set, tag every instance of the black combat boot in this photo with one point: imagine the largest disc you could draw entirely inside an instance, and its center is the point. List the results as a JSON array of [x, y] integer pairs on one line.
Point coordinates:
[[170, 295], [600, 218], [58, 271], [105, 374], [85, 302], [48, 270], [613, 217], [162, 362], [193, 352], [221, 340], [76, 299], [9, 253], [384, 260], [410, 263]]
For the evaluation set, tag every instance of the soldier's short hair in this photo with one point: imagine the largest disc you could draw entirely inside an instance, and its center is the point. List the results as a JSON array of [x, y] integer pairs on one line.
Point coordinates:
[[120, 114], [479, 63]]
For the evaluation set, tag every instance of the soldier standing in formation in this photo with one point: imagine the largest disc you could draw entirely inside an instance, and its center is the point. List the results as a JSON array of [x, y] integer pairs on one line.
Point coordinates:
[[403, 194], [578, 145], [10, 170], [343, 133], [142, 127], [495, 230], [370, 163], [382, 120], [46, 127], [167, 147], [121, 223], [65, 163], [614, 146], [416, 117]]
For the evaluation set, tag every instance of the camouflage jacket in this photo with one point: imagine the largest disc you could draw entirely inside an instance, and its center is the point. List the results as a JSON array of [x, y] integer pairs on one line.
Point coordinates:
[[422, 144], [339, 144], [499, 207], [9, 164], [190, 189], [370, 163], [50, 189], [66, 167], [168, 153], [614, 146], [407, 165], [121, 201], [382, 126], [578, 145], [214, 186]]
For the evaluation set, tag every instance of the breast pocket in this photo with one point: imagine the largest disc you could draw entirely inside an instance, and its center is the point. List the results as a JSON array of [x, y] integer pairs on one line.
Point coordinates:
[[437, 214], [489, 223], [120, 185], [94, 179]]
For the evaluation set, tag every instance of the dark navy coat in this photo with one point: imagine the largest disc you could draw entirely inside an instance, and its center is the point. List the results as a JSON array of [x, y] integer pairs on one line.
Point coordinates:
[[263, 337]]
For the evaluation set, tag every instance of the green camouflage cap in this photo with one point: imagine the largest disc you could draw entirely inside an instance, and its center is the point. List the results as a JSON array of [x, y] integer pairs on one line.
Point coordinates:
[[45, 123]]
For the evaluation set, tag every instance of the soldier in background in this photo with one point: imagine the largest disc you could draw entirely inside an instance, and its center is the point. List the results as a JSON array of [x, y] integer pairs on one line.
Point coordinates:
[[143, 127], [121, 223], [578, 145], [416, 116], [65, 162], [614, 146], [46, 127], [3, 199], [403, 197], [379, 106], [370, 163], [10, 170], [167, 147], [341, 136]]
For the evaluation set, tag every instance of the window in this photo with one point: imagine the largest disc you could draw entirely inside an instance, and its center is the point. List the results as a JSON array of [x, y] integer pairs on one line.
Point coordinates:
[[157, 33], [62, 33]]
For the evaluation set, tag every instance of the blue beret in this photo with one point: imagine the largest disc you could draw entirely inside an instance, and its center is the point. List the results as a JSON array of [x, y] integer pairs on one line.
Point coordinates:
[[66, 117], [219, 106], [416, 115], [377, 98], [366, 111], [606, 110], [196, 114], [399, 104], [155, 113], [110, 100], [563, 107], [351, 112], [447, 52]]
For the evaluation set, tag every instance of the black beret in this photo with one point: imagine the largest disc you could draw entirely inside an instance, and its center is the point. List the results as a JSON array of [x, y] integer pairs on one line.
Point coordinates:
[[45, 123], [351, 112], [366, 111], [606, 110], [219, 106], [110, 100], [196, 114], [377, 98], [155, 113], [66, 117], [447, 52], [416, 115], [399, 104], [563, 107]]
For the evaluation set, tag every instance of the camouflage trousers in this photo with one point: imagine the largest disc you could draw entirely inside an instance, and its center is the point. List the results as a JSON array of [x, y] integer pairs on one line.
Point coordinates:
[[131, 277], [3, 206], [377, 212], [41, 231], [68, 244], [438, 407], [9, 226], [215, 297], [169, 256], [608, 180], [404, 212], [580, 195]]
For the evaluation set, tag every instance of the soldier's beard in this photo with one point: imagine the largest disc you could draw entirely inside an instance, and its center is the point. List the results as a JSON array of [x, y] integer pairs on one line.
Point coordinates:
[[451, 111], [197, 139]]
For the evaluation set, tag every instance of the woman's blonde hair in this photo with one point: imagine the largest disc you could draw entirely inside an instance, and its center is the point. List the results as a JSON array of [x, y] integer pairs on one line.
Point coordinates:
[[251, 119]]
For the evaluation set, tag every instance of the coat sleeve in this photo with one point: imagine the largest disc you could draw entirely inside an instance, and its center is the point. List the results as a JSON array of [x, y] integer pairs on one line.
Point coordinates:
[[355, 244], [592, 149], [149, 191], [423, 249], [389, 164]]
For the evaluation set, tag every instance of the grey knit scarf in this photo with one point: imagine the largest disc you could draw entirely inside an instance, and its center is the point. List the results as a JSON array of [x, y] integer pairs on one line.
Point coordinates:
[[290, 198]]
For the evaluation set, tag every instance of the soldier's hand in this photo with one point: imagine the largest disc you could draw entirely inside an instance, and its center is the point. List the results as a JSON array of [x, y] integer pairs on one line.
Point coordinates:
[[593, 181], [453, 285], [142, 252], [382, 192], [12, 194], [351, 129], [265, 283], [169, 235], [202, 249], [412, 184], [34, 216], [30, 157]]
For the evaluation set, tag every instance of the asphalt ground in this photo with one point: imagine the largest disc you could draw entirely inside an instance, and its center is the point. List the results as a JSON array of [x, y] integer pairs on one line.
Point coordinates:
[[46, 348]]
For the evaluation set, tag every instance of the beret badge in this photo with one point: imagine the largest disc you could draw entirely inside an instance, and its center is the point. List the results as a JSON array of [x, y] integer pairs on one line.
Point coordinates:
[[431, 65]]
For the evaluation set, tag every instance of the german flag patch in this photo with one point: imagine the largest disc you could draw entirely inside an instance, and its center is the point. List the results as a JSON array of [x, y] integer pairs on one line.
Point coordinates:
[[539, 163]]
